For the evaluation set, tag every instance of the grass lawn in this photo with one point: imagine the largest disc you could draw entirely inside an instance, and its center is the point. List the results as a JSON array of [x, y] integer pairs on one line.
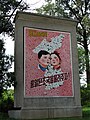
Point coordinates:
[[86, 116]]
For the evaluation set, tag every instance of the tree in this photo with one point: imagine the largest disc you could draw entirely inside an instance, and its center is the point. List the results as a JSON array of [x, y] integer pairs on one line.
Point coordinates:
[[52, 9], [81, 59], [5, 65], [80, 10], [8, 9]]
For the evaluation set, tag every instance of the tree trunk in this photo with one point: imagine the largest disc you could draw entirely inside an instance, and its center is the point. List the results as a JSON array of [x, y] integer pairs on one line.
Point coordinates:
[[86, 57]]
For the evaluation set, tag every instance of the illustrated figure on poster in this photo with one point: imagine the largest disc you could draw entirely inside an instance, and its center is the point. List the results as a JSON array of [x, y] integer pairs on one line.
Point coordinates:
[[49, 59], [54, 67], [44, 60], [55, 60]]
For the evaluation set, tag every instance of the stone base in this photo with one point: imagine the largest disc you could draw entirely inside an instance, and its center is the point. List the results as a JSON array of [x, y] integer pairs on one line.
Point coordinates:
[[39, 113]]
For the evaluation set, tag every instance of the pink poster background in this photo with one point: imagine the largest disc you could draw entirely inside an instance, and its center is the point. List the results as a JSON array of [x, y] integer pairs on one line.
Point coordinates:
[[31, 71]]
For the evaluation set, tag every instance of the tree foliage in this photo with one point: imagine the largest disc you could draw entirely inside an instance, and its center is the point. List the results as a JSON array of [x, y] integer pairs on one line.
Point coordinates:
[[8, 9], [81, 59], [48, 9], [7, 100], [80, 10], [85, 96], [6, 77], [52, 9]]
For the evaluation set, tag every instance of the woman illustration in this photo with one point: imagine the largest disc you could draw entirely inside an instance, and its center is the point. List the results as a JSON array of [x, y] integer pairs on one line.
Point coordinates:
[[54, 68], [55, 60]]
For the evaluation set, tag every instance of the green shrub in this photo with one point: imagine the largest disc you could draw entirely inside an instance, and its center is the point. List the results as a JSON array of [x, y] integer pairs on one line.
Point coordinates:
[[85, 96], [7, 101], [86, 111]]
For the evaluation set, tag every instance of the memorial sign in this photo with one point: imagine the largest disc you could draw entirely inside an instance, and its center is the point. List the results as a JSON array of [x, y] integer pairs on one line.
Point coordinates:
[[46, 68]]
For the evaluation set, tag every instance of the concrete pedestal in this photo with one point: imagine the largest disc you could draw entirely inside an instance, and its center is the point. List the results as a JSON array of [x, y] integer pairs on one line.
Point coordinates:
[[40, 113]]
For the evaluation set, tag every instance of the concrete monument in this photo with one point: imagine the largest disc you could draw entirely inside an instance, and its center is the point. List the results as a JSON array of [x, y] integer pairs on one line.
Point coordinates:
[[46, 67]]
